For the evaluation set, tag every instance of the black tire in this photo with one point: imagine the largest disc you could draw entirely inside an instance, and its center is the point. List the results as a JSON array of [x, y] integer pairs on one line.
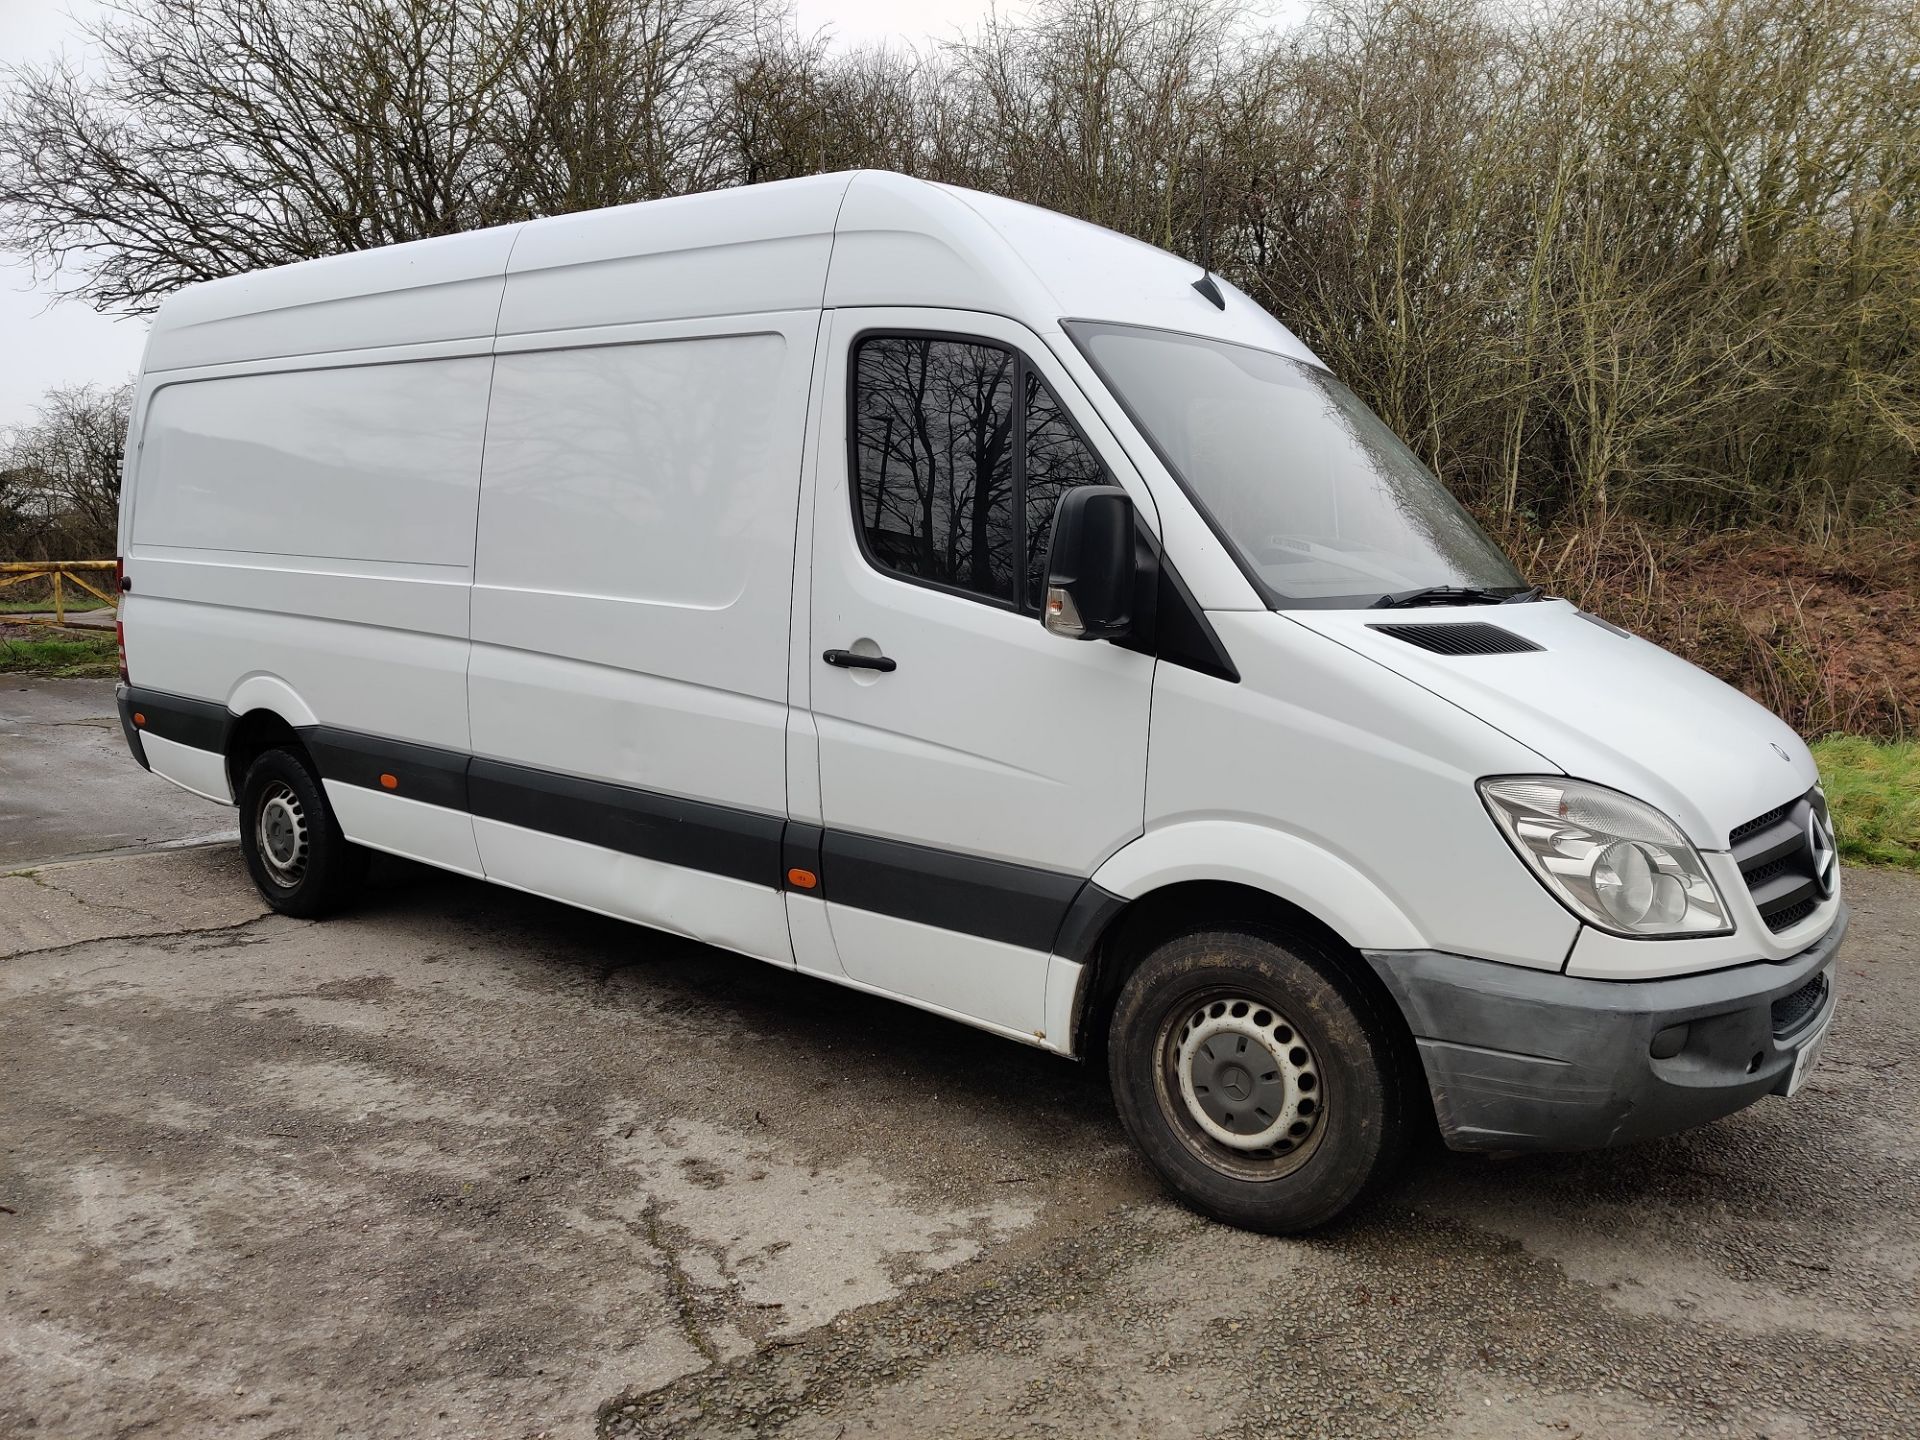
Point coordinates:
[[295, 852], [1279, 1048]]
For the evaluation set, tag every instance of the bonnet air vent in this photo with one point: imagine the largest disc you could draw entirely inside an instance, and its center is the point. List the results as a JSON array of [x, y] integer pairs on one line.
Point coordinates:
[[1470, 637]]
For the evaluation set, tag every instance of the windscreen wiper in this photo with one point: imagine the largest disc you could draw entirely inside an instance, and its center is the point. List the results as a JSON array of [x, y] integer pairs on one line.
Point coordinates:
[[1456, 595]]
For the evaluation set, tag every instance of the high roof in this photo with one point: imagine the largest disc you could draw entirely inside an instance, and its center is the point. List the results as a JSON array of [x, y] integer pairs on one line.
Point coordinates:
[[853, 239]]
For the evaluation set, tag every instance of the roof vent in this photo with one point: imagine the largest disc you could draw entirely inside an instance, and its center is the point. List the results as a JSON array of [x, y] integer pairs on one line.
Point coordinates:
[[1467, 637]]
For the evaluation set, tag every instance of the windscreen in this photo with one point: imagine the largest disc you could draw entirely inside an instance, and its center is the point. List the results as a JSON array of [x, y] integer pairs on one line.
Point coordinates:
[[1321, 501]]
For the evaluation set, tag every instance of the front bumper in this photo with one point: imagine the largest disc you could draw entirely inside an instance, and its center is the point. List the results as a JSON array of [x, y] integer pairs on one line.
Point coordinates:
[[1532, 1060]]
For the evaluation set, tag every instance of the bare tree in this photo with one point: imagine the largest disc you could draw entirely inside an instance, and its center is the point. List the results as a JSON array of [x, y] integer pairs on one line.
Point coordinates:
[[796, 108], [614, 101], [60, 476], [1657, 258], [225, 135]]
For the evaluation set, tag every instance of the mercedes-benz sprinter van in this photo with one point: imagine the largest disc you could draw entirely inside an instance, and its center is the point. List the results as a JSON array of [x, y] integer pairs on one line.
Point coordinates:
[[968, 605]]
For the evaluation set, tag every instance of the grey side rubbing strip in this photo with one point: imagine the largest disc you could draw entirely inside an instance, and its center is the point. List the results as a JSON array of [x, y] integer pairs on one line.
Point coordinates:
[[800, 849], [203, 724], [994, 899], [721, 840], [425, 773]]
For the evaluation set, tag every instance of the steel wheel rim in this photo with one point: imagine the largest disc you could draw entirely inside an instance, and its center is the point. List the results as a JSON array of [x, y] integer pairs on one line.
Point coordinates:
[[280, 835], [1240, 1084]]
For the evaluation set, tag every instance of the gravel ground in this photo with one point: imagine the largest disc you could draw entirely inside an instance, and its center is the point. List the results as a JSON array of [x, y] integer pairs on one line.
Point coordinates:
[[466, 1163]]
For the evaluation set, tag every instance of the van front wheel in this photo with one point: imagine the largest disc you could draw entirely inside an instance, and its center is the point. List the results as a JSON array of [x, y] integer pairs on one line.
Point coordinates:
[[1259, 1081], [295, 852]]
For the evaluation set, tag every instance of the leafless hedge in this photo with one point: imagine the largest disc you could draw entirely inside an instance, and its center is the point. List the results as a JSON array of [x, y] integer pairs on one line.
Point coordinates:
[[1653, 258], [60, 478]]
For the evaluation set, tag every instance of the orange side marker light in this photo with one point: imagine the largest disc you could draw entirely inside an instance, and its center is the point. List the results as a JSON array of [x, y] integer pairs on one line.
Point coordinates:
[[802, 879], [389, 782], [138, 718]]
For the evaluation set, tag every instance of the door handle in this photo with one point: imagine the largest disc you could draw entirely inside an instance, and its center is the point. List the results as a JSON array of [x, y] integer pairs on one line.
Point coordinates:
[[850, 660]]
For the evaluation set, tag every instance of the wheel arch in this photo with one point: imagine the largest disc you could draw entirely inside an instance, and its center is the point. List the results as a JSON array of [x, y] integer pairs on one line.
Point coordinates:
[[1149, 920], [1290, 868], [252, 734], [266, 712], [1232, 873]]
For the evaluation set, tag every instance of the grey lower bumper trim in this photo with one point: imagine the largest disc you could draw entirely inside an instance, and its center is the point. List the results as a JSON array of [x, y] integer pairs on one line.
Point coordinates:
[[1523, 1059]]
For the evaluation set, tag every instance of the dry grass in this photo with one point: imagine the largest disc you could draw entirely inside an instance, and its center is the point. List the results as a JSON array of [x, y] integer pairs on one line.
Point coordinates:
[[1826, 635]]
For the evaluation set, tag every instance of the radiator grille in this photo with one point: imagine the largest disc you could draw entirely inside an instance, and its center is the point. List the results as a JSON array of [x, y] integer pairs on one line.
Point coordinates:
[[1779, 863], [1758, 823], [1790, 1012]]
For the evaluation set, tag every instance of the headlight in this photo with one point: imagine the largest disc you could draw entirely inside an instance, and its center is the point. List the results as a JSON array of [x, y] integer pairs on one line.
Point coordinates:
[[1615, 862]]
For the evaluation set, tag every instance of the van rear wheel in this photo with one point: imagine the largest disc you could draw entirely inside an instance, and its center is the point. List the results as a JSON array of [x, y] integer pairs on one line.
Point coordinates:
[[295, 852], [1259, 1082]]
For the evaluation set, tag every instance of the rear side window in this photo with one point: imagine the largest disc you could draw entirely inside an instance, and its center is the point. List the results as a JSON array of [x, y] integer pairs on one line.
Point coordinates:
[[960, 456]]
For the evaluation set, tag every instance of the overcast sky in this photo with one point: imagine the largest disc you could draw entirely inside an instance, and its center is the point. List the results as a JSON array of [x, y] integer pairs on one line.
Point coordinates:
[[44, 344], [41, 344]]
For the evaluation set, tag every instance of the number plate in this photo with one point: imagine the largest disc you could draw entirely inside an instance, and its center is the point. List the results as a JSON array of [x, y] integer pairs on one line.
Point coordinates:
[[1809, 1053]]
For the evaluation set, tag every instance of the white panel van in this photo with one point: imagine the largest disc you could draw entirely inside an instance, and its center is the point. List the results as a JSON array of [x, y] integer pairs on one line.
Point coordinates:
[[961, 603]]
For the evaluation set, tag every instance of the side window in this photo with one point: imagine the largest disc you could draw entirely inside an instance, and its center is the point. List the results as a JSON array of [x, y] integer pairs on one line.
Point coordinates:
[[1057, 460], [951, 483], [933, 460]]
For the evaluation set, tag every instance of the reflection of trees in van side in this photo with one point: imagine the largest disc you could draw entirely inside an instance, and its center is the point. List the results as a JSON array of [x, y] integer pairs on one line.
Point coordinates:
[[641, 455], [933, 430], [232, 455], [1057, 461]]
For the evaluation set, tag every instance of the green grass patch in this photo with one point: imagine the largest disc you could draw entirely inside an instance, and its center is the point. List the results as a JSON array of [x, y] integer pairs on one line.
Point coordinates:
[[63, 654], [1874, 792], [43, 604]]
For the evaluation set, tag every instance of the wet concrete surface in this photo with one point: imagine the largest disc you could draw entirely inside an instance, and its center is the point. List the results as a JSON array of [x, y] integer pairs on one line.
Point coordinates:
[[69, 786], [466, 1163]]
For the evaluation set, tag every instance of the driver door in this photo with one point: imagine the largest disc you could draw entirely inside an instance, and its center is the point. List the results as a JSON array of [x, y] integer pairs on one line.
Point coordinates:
[[974, 769]]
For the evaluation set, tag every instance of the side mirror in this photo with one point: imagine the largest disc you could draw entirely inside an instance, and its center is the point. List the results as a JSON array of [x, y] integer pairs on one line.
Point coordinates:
[[1091, 565]]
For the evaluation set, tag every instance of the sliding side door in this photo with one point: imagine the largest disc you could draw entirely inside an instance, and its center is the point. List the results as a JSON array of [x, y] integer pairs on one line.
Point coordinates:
[[631, 605]]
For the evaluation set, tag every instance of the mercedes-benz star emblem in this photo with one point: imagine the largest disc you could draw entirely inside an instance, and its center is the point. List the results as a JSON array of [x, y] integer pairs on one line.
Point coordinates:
[[1820, 850]]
